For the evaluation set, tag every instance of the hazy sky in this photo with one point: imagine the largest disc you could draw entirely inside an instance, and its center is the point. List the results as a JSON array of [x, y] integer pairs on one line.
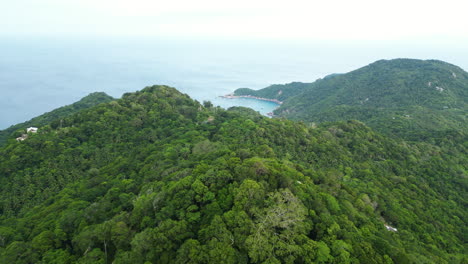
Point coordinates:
[[309, 19]]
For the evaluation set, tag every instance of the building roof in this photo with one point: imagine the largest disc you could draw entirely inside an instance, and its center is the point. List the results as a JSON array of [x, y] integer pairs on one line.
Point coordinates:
[[31, 129]]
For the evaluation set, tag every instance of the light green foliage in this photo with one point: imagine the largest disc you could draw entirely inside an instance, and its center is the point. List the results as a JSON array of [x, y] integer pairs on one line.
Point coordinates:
[[277, 228], [146, 179]]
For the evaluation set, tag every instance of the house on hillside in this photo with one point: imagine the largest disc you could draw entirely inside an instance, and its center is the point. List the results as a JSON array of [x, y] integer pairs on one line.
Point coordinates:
[[28, 130], [31, 129], [23, 137]]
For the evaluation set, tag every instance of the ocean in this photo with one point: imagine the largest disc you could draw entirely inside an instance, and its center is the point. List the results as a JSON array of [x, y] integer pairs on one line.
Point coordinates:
[[38, 74]]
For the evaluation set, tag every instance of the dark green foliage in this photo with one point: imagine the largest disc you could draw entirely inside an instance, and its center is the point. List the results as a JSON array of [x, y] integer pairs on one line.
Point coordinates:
[[279, 92], [54, 117], [414, 99], [156, 177]]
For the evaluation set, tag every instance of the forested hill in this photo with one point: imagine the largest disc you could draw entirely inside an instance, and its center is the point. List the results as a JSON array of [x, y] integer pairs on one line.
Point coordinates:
[[156, 177], [414, 99], [279, 92], [55, 115]]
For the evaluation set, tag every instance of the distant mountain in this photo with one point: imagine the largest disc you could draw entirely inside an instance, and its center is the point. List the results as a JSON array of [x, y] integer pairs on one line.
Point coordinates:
[[47, 118], [414, 99], [156, 177]]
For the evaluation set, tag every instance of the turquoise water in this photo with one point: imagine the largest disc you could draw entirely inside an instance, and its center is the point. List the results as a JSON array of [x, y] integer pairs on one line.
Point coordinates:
[[40, 74], [264, 107]]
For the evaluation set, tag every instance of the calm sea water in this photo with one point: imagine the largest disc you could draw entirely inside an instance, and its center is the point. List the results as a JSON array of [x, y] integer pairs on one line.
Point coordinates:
[[38, 75]]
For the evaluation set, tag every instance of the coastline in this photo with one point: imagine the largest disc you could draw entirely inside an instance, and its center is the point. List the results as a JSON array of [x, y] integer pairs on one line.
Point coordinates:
[[232, 96]]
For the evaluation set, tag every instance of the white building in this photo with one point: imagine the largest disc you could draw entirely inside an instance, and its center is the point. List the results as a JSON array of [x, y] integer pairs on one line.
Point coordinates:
[[23, 137], [31, 129]]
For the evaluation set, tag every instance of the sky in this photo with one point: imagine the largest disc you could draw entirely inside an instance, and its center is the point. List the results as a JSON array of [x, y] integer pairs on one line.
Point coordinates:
[[326, 36], [268, 19]]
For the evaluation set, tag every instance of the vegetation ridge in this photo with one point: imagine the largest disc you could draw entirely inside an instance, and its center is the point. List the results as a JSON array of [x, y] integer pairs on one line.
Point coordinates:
[[156, 177], [86, 102], [413, 99]]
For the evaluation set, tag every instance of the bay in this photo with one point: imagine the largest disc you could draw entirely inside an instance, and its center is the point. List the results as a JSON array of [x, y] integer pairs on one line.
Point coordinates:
[[39, 74]]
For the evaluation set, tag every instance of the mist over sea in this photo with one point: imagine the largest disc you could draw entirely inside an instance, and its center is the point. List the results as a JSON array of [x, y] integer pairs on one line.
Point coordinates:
[[38, 75]]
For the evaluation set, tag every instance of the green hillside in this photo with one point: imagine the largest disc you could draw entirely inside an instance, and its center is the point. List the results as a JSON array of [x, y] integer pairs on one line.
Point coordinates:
[[155, 177], [407, 98], [279, 92], [86, 102]]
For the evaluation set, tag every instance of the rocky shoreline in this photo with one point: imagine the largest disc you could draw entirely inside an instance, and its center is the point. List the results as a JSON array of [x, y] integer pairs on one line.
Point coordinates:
[[232, 96]]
